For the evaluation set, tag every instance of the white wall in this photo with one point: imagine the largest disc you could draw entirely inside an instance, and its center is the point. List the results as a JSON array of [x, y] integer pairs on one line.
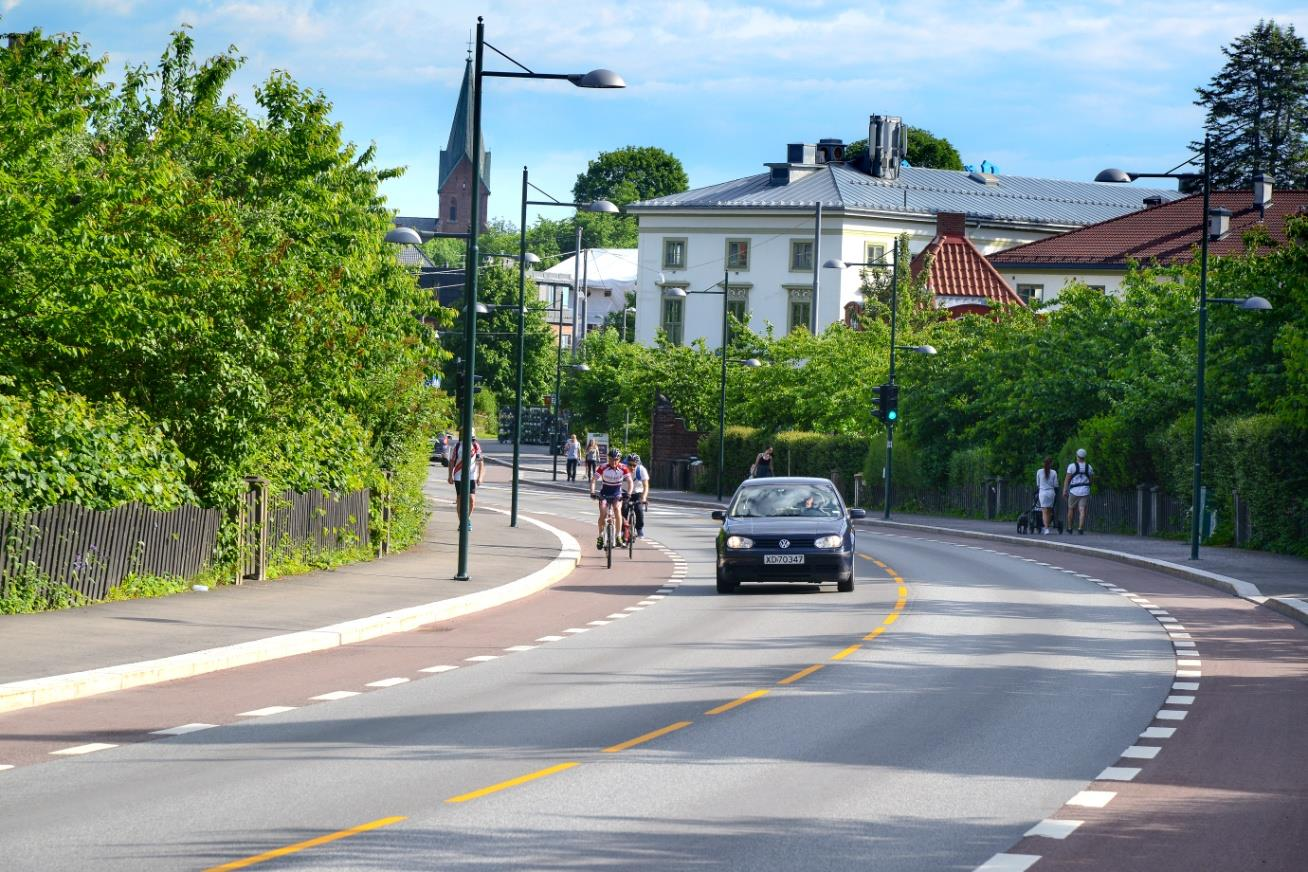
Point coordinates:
[[1055, 281], [768, 276]]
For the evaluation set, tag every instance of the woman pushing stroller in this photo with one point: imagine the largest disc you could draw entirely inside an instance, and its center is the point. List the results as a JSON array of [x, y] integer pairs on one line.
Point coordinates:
[[1046, 492]]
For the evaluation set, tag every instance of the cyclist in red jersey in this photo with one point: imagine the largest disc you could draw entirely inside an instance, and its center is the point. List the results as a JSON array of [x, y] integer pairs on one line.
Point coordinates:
[[613, 480]]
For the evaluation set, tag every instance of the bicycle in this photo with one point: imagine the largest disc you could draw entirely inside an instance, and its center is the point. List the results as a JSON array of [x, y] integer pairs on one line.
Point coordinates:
[[610, 533], [629, 523]]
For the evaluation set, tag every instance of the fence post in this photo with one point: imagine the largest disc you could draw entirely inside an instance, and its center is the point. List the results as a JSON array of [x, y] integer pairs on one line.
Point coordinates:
[[989, 510], [858, 488], [384, 541], [1141, 511], [1239, 519], [1155, 509], [999, 495], [256, 523]]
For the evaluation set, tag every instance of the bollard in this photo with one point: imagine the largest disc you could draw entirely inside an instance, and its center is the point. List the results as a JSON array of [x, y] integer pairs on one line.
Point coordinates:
[[253, 531], [1141, 510], [384, 540]]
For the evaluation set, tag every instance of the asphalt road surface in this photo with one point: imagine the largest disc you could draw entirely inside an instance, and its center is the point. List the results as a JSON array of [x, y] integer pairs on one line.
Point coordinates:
[[964, 708]]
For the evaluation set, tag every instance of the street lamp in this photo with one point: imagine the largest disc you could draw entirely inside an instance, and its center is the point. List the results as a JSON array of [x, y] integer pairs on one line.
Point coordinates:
[[917, 349], [1213, 225], [722, 397], [602, 206], [594, 79]]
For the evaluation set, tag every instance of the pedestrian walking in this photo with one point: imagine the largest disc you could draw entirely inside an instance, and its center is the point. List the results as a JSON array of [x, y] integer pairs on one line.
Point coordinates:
[[1076, 490], [1047, 492], [572, 453], [592, 459], [474, 478], [762, 467]]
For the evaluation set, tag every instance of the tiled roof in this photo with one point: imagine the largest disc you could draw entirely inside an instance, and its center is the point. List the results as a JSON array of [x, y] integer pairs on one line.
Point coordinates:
[[958, 269], [920, 191], [1168, 233]]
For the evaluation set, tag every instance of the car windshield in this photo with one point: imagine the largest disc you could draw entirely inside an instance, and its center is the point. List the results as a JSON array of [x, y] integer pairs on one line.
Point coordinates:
[[786, 501]]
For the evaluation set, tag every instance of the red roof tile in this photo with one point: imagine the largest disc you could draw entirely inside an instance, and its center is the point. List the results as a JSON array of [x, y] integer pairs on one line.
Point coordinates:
[[958, 269], [1168, 233]]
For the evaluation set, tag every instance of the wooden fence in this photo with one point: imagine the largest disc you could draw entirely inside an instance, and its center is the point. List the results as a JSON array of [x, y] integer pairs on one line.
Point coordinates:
[[93, 551]]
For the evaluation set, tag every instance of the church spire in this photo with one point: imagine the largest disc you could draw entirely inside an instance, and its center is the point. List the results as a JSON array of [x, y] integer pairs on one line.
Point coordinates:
[[459, 147]]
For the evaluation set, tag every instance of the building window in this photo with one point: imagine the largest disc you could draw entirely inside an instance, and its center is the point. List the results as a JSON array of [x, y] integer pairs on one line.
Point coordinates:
[[738, 254], [566, 340], [738, 303], [1030, 293], [801, 255], [801, 309], [1100, 288], [674, 253], [454, 212], [673, 316], [876, 253]]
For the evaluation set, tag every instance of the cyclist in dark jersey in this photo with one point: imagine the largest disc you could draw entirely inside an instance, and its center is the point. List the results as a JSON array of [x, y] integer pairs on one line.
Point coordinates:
[[613, 480]]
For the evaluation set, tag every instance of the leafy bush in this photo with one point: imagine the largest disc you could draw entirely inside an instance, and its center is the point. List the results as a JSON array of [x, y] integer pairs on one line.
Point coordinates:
[[970, 467], [1265, 460], [793, 453]]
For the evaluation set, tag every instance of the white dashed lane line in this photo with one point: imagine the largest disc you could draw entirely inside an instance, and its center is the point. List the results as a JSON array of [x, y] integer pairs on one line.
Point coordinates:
[[183, 729], [267, 712], [334, 695], [84, 749], [387, 682]]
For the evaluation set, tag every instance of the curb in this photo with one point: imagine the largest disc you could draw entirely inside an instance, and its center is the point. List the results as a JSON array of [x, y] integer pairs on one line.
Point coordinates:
[[1288, 606], [76, 685]]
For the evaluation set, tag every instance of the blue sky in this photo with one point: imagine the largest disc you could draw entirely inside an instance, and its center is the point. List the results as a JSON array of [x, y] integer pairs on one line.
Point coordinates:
[[1037, 88]]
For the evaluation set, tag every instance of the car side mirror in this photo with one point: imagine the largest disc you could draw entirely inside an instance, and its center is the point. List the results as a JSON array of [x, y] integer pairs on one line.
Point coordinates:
[[719, 515], [855, 514]]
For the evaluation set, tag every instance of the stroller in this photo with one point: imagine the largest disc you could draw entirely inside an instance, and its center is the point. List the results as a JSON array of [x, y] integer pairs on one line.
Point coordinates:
[[1032, 520]]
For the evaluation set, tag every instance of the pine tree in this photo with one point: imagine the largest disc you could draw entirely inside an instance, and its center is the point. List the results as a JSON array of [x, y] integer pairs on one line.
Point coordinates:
[[1258, 109]]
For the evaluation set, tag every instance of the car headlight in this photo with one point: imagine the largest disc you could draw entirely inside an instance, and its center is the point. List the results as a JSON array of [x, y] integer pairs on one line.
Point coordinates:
[[739, 542], [828, 542]]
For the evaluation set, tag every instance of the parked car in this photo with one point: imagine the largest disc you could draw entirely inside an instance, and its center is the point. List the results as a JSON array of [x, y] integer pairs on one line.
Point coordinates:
[[440, 450], [786, 529]]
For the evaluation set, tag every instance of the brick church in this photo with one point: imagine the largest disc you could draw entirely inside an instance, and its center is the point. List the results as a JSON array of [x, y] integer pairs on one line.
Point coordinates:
[[455, 179]]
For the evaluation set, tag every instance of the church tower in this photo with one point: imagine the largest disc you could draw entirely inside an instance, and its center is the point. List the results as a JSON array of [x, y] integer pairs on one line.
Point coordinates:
[[456, 173]]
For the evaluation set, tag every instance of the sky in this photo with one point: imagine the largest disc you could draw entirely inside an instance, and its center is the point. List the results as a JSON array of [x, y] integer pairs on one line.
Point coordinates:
[[1050, 89]]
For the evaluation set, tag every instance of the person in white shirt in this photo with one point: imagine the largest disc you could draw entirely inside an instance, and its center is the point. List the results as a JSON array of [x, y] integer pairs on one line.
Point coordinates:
[[456, 475], [1046, 491], [1076, 489], [639, 491], [572, 453]]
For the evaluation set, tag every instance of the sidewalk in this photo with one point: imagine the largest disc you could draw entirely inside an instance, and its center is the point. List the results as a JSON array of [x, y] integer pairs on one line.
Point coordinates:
[[1275, 575], [142, 641]]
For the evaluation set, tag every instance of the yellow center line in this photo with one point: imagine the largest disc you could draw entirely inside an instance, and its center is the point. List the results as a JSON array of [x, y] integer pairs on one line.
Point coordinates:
[[728, 706], [310, 843], [648, 737], [877, 632], [891, 618], [843, 654], [803, 673], [513, 782]]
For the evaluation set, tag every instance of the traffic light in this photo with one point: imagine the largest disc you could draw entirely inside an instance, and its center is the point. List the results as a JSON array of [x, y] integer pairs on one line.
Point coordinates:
[[876, 403], [890, 403]]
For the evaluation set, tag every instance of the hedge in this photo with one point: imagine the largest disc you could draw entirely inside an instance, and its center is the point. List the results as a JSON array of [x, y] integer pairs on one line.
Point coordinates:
[[794, 452]]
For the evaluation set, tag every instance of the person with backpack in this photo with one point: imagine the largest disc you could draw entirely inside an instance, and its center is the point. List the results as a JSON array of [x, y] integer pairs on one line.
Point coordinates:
[[639, 491], [1076, 490], [456, 475]]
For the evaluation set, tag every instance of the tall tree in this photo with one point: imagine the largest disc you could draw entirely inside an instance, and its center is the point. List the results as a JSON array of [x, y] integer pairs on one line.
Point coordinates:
[[1258, 108], [625, 175]]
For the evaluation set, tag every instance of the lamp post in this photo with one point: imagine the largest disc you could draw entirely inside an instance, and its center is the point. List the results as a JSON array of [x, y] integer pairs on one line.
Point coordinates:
[[722, 397], [594, 79], [1213, 225], [919, 349]]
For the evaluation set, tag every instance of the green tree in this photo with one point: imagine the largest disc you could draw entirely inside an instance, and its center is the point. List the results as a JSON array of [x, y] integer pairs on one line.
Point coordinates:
[[624, 176], [1258, 109], [924, 150]]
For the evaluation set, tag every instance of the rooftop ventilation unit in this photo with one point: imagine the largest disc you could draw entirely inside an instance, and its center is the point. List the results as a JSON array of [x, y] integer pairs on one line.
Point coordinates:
[[887, 144], [984, 179], [1152, 200]]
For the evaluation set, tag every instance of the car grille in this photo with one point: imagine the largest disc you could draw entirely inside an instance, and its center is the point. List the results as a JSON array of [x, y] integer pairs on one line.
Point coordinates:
[[772, 541]]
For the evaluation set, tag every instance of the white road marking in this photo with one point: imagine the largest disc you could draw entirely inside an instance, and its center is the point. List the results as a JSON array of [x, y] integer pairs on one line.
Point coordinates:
[[1118, 773], [575, 630], [482, 658], [1178, 634], [1093, 798], [1009, 863], [335, 695], [648, 602], [514, 649], [1189, 673], [1184, 643], [182, 730], [1179, 699], [441, 668], [1189, 663], [1170, 715], [618, 615], [551, 638], [4, 766], [1142, 752], [1185, 685], [1054, 829], [1157, 612], [654, 597], [387, 682], [1158, 733], [85, 749], [665, 590], [265, 712], [599, 623], [633, 608], [1166, 620]]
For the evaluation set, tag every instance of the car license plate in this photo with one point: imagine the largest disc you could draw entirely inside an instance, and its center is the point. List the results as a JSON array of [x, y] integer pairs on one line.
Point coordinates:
[[783, 558]]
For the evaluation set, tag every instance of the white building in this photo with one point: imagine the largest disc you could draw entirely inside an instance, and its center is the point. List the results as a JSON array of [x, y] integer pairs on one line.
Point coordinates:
[[760, 230], [607, 274]]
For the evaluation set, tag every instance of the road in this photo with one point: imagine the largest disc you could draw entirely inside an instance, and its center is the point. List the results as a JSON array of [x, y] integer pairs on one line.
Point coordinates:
[[633, 719]]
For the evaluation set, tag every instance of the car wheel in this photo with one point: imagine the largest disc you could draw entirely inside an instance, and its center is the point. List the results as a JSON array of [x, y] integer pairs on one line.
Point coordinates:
[[846, 585], [725, 586]]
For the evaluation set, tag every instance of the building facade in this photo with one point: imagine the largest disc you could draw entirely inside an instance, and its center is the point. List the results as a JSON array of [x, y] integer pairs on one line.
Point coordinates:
[[760, 235]]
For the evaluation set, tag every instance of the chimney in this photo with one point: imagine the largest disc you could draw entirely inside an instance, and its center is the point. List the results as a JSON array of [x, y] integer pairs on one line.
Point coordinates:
[[1153, 200], [951, 224], [887, 144], [1262, 193]]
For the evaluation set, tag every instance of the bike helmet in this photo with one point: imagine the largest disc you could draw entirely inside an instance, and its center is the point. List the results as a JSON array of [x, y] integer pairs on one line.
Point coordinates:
[[613, 452]]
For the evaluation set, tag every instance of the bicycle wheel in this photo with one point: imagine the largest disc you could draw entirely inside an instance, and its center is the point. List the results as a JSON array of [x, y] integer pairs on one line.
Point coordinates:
[[608, 542], [631, 533]]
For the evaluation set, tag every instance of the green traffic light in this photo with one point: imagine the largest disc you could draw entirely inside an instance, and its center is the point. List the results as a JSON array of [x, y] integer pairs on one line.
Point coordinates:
[[892, 415]]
